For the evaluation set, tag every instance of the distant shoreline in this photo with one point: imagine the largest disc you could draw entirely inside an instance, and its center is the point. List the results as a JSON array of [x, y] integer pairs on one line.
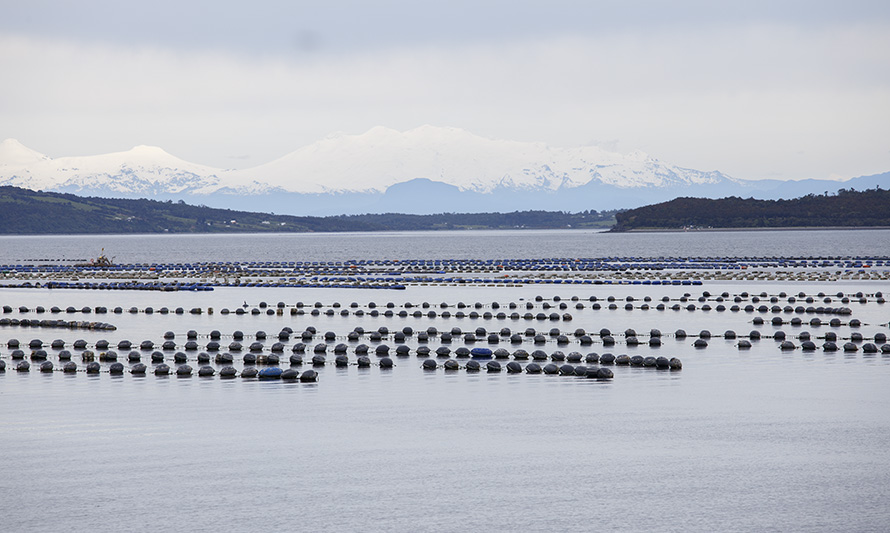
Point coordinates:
[[780, 228]]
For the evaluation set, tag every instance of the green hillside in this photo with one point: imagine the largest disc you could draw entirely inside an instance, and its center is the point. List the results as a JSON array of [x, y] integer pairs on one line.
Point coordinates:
[[26, 212], [847, 208]]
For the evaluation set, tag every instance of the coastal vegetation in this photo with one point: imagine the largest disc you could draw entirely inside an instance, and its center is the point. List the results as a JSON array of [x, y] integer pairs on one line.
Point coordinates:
[[27, 212], [847, 208]]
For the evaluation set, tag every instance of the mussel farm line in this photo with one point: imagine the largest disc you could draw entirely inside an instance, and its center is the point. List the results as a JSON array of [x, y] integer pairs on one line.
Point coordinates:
[[546, 308], [444, 349], [495, 336], [397, 274]]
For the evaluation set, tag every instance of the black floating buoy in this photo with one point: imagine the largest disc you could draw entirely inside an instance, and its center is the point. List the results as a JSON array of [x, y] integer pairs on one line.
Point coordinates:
[[184, 370], [600, 373], [69, 367], [533, 368], [309, 376], [551, 369], [429, 364], [520, 355], [513, 367], [385, 362], [162, 369], [116, 368], [473, 366], [138, 369], [227, 372], [451, 364], [567, 370], [249, 372]]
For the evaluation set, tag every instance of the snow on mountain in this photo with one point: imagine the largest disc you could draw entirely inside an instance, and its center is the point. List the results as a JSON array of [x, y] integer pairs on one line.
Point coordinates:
[[15, 154], [382, 157], [141, 170], [368, 163]]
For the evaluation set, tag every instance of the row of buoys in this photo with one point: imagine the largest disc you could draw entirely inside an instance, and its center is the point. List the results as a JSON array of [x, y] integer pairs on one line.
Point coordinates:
[[396, 274], [815, 322], [439, 263], [830, 346], [480, 333], [319, 358], [566, 369], [397, 279], [545, 302], [99, 310], [111, 286], [60, 324], [460, 265], [539, 303], [183, 370], [405, 314], [530, 336], [565, 317]]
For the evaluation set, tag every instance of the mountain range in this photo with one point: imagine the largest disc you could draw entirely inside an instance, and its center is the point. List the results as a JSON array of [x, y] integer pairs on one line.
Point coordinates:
[[424, 170]]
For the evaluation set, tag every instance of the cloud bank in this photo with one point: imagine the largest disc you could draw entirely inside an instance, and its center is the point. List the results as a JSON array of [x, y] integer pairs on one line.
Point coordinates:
[[753, 96]]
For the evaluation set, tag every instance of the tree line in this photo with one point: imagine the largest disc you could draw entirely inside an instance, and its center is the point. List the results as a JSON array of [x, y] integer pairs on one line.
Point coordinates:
[[23, 211], [847, 208]]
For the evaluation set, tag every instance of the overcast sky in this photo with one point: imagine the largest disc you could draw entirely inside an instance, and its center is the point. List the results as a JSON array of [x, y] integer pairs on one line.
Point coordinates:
[[756, 89]]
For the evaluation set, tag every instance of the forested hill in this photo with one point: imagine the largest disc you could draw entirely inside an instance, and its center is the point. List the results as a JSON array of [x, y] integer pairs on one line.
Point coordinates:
[[26, 212], [846, 208]]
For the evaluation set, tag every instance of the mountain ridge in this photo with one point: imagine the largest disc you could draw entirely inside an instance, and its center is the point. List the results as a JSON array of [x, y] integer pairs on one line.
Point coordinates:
[[371, 172]]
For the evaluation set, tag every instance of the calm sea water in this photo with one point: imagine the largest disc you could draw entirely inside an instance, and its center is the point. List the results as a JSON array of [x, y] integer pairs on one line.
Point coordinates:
[[737, 441], [443, 244]]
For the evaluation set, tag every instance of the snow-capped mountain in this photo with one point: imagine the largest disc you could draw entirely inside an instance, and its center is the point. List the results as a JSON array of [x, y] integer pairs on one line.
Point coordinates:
[[15, 154], [382, 157], [424, 170], [141, 170]]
